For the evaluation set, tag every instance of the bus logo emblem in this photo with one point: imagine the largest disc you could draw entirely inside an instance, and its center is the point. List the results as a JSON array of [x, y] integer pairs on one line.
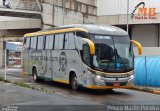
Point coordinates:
[[63, 61]]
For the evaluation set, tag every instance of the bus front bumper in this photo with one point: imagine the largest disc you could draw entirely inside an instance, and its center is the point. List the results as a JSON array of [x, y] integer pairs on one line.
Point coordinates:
[[108, 87], [110, 83]]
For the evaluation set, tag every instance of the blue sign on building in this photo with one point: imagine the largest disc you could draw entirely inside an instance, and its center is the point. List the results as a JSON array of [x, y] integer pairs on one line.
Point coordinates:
[[14, 46]]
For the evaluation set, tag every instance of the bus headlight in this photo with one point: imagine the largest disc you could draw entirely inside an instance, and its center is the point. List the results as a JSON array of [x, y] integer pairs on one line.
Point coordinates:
[[132, 76], [98, 77]]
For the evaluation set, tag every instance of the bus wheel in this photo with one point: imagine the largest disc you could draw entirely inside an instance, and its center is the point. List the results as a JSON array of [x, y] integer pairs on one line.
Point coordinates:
[[73, 82], [35, 78]]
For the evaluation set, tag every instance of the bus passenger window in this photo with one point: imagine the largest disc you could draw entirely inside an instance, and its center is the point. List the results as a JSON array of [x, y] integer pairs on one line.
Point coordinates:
[[33, 42], [49, 42], [59, 41], [69, 41], [86, 54], [79, 43], [40, 43], [27, 43]]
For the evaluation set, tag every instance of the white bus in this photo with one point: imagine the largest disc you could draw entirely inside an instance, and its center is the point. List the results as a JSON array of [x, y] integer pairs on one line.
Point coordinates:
[[91, 56]]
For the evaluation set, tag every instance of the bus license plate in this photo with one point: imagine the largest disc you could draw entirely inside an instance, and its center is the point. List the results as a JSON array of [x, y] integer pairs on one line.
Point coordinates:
[[116, 84]]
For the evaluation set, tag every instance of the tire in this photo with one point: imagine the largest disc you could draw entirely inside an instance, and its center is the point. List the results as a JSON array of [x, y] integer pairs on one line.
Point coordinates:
[[34, 73], [73, 83]]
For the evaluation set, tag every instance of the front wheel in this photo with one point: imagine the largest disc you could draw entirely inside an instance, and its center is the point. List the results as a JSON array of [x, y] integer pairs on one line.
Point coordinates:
[[74, 83], [34, 73]]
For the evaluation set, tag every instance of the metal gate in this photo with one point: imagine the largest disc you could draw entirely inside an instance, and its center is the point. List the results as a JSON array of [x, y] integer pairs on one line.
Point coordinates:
[[10, 63], [3, 65], [147, 71]]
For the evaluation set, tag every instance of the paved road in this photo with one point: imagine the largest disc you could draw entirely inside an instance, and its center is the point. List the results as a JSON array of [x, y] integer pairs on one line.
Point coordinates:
[[61, 94], [29, 99], [11, 94]]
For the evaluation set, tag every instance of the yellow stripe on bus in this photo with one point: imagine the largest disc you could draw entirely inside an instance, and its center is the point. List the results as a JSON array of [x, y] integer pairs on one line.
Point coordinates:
[[62, 81], [55, 32]]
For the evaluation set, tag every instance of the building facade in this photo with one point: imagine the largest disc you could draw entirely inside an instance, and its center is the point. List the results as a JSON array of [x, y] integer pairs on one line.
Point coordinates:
[[63, 12], [20, 16], [143, 18]]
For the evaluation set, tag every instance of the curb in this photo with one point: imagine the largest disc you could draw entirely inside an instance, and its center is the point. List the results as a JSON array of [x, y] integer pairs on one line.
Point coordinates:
[[146, 90], [23, 84], [44, 90], [156, 92]]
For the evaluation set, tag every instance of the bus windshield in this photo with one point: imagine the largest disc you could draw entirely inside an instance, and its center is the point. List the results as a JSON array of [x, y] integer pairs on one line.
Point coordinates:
[[113, 53]]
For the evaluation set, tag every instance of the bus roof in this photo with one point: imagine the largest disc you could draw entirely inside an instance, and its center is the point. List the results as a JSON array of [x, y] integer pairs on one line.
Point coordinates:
[[90, 28]]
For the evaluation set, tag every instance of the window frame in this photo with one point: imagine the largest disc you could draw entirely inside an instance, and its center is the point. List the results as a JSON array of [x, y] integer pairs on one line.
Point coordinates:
[[43, 44], [58, 41], [53, 35], [75, 47], [31, 42], [25, 43]]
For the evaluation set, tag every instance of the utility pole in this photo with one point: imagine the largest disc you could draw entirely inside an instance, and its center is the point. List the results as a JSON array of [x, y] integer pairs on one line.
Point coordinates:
[[127, 15], [63, 5], [5, 64]]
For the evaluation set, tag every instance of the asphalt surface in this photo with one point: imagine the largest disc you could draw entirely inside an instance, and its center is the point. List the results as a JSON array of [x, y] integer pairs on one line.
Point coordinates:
[[32, 100], [11, 94], [61, 94]]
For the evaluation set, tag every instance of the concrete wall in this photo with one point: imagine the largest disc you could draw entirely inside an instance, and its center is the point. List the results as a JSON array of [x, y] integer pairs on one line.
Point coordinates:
[[148, 51], [75, 11], [116, 7], [147, 35], [22, 4], [115, 12], [21, 24], [1, 45], [16, 33], [122, 20]]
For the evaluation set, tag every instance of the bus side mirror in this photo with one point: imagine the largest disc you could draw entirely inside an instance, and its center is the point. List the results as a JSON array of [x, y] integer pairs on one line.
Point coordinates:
[[91, 45], [139, 46]]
